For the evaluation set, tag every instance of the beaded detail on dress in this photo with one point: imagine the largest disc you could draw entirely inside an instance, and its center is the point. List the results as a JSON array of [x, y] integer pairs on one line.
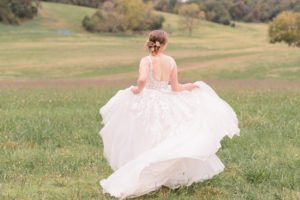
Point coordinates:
[[154, 84]]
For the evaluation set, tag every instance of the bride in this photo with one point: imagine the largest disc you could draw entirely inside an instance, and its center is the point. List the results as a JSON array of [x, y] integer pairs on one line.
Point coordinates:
[[161, 132]]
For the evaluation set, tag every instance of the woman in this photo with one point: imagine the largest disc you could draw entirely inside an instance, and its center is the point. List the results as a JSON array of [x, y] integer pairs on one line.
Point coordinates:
[[161, 132]]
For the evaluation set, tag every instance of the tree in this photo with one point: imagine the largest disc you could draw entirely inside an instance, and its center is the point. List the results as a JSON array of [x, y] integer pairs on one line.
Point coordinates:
[[190, 14], [11, 11], [131, 14], [238, 10], [165, 5], [285, 27], [216, 12], [123, 16]]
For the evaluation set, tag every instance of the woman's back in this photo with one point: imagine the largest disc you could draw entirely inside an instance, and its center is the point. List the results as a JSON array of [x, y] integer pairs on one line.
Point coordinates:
[[159, 71], [161, 67]]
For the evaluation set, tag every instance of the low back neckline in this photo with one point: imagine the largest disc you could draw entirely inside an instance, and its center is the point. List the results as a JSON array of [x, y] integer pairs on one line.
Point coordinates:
[[151, 70]]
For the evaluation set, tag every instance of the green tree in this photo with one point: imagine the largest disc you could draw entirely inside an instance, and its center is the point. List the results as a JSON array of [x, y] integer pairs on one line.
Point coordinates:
[[285, 28], [123, 16], [165, 5], [238, 10], [215, 11], [190, 14], [11, 11], [131, 14]]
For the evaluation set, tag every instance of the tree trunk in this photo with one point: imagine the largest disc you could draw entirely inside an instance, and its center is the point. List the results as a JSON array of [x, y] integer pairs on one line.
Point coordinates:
[[190, 31]]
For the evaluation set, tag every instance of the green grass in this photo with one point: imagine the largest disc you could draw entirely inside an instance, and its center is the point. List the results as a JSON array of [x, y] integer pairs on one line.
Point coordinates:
[[49, 142], [50, 147], [36, 50], [275, 65]]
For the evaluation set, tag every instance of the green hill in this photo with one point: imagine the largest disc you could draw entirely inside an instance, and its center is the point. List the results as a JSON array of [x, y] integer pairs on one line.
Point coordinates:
[[49, 142], [39, 49]]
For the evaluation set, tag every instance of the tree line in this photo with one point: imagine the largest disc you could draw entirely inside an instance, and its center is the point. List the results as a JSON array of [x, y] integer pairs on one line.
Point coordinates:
[[215, 10], [88, 3], [11, 11], [238, 10], [138, 15]]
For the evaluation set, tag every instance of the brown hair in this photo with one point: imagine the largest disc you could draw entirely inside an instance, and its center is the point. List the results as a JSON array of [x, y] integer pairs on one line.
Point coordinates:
[[156, 39]]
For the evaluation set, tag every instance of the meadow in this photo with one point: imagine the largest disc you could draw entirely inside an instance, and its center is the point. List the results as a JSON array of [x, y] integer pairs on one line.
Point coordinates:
[[49, 142]]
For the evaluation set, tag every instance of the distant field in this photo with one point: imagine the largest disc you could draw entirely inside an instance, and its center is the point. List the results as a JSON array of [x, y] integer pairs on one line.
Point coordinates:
[[36, 50], [49, 142]]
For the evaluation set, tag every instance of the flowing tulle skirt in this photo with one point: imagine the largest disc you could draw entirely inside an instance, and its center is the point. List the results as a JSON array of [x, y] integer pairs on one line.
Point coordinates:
[[161, 137]]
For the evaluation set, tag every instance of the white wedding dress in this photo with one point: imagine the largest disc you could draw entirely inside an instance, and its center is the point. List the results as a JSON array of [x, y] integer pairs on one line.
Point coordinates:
[[163, 138]]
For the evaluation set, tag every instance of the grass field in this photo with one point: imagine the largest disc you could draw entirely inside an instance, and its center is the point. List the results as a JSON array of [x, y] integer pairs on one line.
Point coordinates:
[[49, 142], [50, 148], [36, 50]]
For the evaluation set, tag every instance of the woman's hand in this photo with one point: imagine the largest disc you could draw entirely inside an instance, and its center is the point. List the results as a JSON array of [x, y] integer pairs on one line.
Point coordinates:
[[191, 86], [135, 90]]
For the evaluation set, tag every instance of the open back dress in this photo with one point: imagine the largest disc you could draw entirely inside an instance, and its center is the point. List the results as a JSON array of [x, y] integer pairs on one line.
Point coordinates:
[[160, 137]]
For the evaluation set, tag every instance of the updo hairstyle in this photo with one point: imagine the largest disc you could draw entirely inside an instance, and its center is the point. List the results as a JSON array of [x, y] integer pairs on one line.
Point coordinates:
[[156, 40]]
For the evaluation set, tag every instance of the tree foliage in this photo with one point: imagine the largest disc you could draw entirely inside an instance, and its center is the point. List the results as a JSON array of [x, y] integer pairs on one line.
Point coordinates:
[[166, 5], [12, 11], [285, 28], [216, 11], [88, 3], [190, 14], [238, 10], [123, 16], [241, 10], [252, 10]]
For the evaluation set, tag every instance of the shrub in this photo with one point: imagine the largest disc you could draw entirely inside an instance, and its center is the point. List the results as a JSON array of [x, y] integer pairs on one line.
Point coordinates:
[[87, 23], [285, 27], [11, 11], [123, 16]]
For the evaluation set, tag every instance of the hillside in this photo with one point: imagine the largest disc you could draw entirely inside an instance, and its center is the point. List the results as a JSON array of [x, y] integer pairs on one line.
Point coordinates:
[[39, 49], [55, 76]]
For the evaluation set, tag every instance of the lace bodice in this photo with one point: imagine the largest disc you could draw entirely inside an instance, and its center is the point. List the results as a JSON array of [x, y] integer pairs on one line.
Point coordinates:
[[154, 84]]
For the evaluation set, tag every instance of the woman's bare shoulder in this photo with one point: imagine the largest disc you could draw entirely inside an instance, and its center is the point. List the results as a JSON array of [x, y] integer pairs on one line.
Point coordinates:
[[145, 59], [171, 59]]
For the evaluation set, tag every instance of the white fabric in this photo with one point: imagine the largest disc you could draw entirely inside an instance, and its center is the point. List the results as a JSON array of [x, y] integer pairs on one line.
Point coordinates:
[[160, 137], [151, 64]]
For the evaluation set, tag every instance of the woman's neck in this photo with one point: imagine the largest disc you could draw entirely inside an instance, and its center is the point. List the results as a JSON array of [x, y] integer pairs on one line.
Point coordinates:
[[157, 54]]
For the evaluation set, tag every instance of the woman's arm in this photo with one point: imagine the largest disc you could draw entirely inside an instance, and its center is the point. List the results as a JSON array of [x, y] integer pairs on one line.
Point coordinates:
[[143, 75], [175, 85]]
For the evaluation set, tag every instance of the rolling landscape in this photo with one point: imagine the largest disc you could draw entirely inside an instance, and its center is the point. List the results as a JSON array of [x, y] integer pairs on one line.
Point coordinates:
[[54, 77]]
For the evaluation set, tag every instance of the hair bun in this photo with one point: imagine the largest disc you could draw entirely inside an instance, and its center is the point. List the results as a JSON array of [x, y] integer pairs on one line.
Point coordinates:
[[156, 39]]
